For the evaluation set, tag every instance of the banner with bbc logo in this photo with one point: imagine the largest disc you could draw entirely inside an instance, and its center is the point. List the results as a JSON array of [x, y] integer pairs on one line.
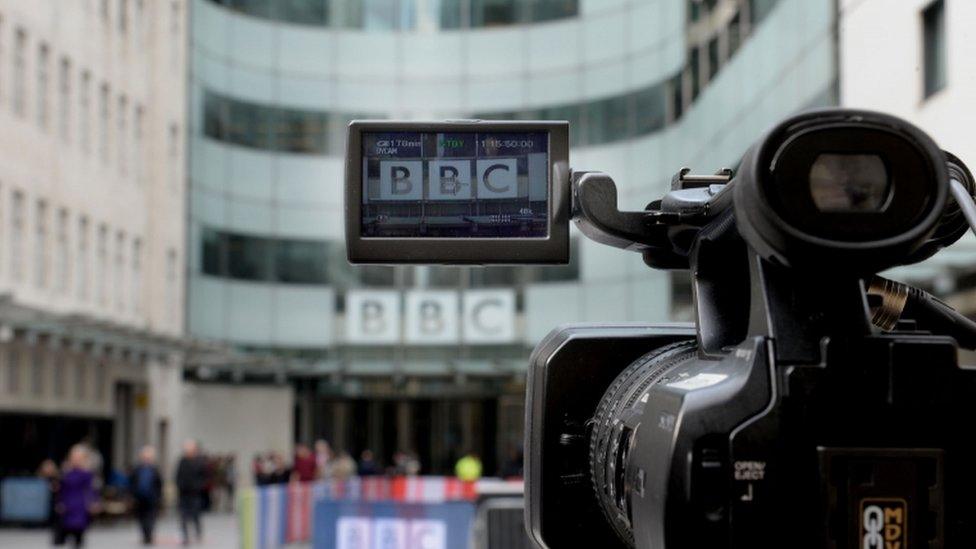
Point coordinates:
[[392, 525]]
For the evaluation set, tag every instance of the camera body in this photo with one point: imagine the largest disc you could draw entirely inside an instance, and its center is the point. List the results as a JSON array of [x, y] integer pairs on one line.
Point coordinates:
[[812, 403], [747, 449]]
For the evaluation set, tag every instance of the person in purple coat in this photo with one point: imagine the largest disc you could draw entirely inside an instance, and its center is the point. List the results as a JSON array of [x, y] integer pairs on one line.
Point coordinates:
[[76, 498]]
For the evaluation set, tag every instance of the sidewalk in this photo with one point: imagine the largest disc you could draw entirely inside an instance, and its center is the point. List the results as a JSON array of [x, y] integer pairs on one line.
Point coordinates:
[[219, 532]]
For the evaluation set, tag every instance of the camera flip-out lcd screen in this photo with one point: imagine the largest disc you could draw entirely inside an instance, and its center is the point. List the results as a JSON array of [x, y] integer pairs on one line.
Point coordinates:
[[455, 184], [457, 192]]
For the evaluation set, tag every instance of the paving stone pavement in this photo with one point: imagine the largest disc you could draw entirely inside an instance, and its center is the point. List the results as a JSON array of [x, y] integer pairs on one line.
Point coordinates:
[[220, 532]]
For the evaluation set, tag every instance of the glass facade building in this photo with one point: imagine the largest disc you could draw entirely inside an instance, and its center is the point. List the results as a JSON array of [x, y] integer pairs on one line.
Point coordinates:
[[648, 86]]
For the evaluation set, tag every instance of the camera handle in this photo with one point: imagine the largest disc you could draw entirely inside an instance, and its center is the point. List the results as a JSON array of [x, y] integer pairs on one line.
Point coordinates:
[[693, 201]]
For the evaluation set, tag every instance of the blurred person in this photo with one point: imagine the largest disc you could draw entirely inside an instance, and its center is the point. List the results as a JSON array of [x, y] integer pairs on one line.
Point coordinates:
[[191, 476], [146, 486], [512, 468], [367, 465], [323, 458], [230, 481], [304, 466], [468, 468], [77, 500], [96, 463], [48, 471], [343, 466], [405, 464], [209, 472], [280, 472], [257, 468]]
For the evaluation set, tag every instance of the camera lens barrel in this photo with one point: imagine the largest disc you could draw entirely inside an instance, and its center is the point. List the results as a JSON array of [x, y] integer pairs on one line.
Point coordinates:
[[838, 187], [614, 426]]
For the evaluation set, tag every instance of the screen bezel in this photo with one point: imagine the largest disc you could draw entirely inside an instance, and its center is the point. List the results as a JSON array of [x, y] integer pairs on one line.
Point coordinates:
[[552, 249]]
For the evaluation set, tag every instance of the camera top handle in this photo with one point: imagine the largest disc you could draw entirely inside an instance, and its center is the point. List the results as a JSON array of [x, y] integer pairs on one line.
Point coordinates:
[[665, 231]]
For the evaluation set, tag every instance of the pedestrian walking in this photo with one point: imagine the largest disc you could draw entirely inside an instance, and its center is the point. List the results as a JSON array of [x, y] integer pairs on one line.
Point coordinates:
[[191, 478], [147, 492], [76, 498]]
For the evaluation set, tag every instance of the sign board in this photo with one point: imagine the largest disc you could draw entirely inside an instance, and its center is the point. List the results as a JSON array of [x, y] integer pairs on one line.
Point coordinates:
[[431, 317], [488, 316], [392, 525], [373, 316]]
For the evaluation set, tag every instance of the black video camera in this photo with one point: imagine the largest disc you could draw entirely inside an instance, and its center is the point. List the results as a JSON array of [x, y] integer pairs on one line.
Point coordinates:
[[812, 404]]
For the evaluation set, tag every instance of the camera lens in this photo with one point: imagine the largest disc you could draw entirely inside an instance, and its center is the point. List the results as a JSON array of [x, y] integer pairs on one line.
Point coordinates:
[[614, 429]]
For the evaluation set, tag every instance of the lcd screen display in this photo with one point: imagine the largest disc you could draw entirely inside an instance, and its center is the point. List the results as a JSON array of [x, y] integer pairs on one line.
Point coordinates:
[[455, 185]]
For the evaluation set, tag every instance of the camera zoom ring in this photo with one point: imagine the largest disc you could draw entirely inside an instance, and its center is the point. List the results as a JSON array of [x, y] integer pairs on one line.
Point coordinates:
[[607, 429]]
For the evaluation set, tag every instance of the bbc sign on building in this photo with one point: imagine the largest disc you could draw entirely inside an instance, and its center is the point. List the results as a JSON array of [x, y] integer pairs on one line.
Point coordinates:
[[430, 317]]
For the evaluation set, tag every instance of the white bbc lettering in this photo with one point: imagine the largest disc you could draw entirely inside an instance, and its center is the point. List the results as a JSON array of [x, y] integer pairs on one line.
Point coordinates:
[[401, 179], [390, 534], [431, 317], [497, 178], [373, 316], [449, 180], [488, 316], [353, 533], [428, 534]]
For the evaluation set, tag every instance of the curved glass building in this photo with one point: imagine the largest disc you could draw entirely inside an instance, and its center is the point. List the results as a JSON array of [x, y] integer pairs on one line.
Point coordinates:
[[648, 86]]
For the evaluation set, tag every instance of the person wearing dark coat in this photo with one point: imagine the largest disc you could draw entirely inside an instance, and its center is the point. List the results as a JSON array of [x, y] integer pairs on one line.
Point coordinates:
[[146, 485], [191, 478], [76, 498]]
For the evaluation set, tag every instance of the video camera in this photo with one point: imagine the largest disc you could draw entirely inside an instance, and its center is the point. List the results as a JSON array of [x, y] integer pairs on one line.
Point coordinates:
[[813, 403]]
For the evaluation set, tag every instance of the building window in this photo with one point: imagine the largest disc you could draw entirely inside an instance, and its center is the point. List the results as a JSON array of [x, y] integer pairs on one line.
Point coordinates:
[[40, 245], [137, 276], [173, 147], [123, 15], [81, 376], [13, 369], [138, 124], [248, 257], [103, 123], [64, 100], [81, 267], [101, 380], [43, 54], [713, 58], [172, 300], [121, 141], [57, 377], [934, 47], [300, 262], [37, 371], [17, 237], [19, 92], [62, 253], [735, 35], [118, 276], [101, 266], [84, 112]]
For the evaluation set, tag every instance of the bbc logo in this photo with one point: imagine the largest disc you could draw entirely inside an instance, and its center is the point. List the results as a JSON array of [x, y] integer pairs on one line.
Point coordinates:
[[485, 179], [390, 533]]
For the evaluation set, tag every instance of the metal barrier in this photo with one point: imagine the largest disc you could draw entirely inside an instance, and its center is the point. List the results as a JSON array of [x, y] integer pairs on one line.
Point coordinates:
[[275, 515], [500, 524], [24, 499]]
